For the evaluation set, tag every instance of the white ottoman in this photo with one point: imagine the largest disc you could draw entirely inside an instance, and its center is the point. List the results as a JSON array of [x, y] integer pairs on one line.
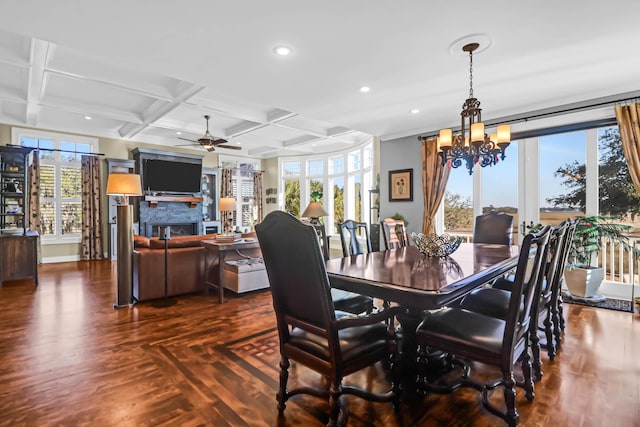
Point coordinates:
[[241, 277]]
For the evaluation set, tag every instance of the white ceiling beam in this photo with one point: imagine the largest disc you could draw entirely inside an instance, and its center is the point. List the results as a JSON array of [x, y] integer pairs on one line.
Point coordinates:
[[160, 109], [39, 54]]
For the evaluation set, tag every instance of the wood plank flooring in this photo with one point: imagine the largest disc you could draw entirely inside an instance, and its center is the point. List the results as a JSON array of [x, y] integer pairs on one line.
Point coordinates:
[[67, 358]]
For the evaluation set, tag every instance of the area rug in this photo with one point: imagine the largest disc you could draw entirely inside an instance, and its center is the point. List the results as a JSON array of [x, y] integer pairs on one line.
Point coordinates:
[[608, 303]]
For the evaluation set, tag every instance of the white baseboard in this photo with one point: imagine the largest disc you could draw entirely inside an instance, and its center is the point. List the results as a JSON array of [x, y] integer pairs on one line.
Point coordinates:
[[68, 258]]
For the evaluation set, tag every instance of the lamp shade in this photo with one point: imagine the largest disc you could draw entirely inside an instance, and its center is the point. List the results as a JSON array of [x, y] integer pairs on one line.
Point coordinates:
[[227, 204], [124, 184], [314, 210]]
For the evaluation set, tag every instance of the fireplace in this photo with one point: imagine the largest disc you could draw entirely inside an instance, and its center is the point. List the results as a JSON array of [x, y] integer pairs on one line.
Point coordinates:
[[177, 228]]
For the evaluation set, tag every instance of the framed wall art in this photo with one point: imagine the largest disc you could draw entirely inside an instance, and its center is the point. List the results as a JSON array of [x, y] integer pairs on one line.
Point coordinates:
[[401, 185]]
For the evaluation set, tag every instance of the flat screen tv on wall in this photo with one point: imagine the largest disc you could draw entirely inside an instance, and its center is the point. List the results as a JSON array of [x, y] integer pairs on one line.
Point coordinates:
[[165, 176]]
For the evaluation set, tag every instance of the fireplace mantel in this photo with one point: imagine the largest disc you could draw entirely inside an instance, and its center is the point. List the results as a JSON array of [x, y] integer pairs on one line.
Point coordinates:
[[153, 200]]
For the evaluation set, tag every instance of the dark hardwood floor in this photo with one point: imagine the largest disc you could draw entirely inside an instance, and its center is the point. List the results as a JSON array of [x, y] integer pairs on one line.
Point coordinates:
[[68, 358]]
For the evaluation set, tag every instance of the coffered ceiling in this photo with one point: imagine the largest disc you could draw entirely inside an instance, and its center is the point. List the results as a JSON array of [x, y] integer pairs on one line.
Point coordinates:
[[146, 70]]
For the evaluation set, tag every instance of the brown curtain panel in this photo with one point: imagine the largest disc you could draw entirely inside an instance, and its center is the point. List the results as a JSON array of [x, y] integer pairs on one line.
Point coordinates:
[[34, 193], [226, 190], [257, 195], [91, 209], [627, 116], [434, 183]]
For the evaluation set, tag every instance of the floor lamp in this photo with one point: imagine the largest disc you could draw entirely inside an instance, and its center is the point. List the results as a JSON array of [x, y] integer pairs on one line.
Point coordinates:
[[124, 184]]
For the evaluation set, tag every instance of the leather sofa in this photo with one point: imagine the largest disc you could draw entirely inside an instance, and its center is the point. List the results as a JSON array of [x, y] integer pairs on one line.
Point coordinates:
[[185, 262]]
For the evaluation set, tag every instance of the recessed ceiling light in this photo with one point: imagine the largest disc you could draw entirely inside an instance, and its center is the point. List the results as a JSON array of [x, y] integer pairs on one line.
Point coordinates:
[[282, 50], [178, 133], [365, 89], [237, 143], [415, 111], [87, 117]]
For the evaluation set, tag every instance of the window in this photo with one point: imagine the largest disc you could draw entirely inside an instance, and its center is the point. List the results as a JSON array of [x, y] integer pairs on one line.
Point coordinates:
[[342, 178], [60, 181], [242, 189]]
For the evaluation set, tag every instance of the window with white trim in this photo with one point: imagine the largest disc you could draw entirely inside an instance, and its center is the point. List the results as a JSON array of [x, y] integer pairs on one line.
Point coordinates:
[[242, 189], [60, 181]]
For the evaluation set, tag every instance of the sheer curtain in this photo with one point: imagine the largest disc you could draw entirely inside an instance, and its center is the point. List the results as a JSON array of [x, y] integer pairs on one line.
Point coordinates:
[[627, 117], [91, 209], [257, 195], [434, 183]]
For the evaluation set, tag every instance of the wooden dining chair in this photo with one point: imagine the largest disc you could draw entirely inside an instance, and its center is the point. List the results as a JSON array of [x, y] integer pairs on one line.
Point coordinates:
[[350, 231], [350, 302], [467, 335], [494, 301], [311, 331], [493, 228], [394, 233]]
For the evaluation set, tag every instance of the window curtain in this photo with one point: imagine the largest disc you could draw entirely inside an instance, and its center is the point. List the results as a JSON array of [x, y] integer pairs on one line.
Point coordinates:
[[91, 209], [34, 193], [627, 117], [434, 183], [257, 195], [226, 190]]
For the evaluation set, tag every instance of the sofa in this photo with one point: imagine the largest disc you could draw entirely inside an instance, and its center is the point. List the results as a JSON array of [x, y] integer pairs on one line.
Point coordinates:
[[185, 262]]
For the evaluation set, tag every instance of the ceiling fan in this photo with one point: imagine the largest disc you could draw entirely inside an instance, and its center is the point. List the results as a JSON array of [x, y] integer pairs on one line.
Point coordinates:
[[209, 142]]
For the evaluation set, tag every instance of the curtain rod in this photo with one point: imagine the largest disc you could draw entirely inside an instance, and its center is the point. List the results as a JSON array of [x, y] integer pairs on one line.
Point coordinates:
[[558, 111], [56, 149]]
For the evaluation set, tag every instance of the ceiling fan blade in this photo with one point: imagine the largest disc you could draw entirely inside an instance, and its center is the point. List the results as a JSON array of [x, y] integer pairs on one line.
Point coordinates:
[[219, 141], [211, 148], [229, 147], [186, 139]]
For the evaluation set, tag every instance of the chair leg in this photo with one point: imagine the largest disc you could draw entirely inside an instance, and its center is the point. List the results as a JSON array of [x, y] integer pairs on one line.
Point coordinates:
[[548, 332], [335, 391], [535, 350], [395, 361], [557, 320], [282, 391], [509, 383], [561, 313], [528, 379]]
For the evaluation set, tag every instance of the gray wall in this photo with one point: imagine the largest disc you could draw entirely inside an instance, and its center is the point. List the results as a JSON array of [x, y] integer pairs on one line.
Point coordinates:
[[402, 153]]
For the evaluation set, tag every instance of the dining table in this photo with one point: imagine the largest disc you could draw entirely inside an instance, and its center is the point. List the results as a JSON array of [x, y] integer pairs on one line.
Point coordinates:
[[418, 282]]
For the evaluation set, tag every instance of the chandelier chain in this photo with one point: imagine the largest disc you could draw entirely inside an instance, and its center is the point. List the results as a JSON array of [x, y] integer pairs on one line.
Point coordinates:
[[470, 74]]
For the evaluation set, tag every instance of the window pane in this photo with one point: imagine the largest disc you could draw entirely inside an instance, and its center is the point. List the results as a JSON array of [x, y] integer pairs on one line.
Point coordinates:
[[337, 165], [28, 142], [67, 157], [503, 176], [617, 195], [562, 176], [357, 197], [355, 161], [47, 218], [316, 186], [338, 201], [291, 168], [458, 207], [49, 145], [368, 156], [47, 181], [71, 216], [292, 196], [316, 167], [71, 183]]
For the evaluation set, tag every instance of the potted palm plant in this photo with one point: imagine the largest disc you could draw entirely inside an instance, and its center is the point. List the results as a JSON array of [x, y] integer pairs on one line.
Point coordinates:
[[581, 276]]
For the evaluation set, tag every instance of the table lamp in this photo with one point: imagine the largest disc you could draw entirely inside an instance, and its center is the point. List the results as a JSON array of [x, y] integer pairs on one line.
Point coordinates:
[[228, 204], [125, 185], [314, 211]]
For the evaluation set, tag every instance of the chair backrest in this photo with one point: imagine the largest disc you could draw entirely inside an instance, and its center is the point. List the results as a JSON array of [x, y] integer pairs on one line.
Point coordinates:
[[394, 233], [557, 243], [526, 286], [295, 266], [349, 231], [565, 246], [493, 227], [322, 237]]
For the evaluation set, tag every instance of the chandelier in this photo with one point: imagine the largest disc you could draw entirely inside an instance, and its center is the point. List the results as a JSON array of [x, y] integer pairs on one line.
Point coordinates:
[[472, 145]]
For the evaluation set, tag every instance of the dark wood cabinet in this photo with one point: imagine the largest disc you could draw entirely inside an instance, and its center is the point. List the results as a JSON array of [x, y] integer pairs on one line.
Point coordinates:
[[19, 257], [18, 245]]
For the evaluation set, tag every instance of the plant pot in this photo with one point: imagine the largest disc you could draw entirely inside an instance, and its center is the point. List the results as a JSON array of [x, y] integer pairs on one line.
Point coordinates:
[[583, 282]]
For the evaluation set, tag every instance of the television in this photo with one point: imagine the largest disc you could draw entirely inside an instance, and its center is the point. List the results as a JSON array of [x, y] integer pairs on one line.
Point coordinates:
[[165, 176]]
